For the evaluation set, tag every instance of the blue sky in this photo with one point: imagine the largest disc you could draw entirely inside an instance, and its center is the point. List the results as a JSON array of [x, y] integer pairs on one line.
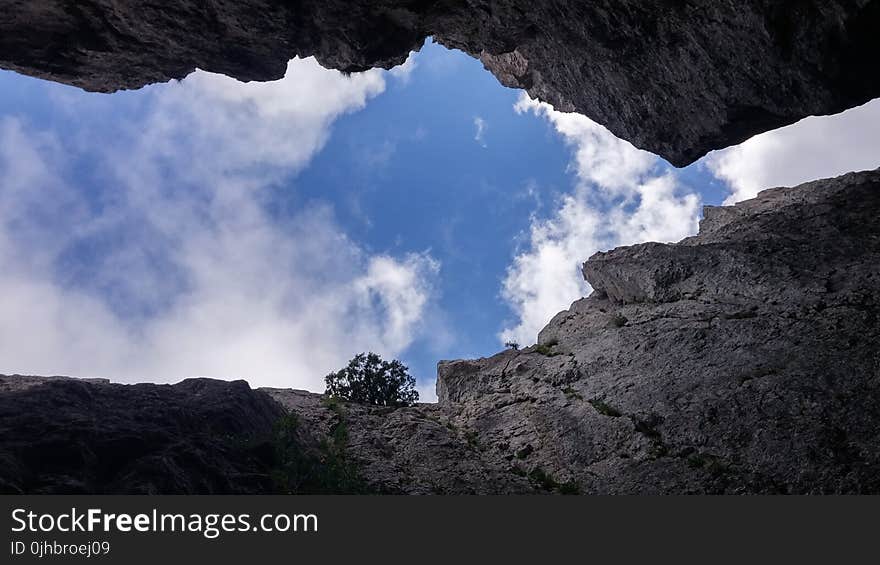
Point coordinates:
[[271, 231]]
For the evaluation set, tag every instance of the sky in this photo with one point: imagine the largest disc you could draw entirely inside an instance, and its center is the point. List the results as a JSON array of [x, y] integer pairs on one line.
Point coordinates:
[[271, 231]]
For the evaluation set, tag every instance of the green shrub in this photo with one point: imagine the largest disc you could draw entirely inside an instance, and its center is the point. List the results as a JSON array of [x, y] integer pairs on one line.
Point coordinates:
[[472, 439], [603, 408], [369, 379], [542, 479], [545, 481], [711, 463], [300, 468], [569, 487], [546, 348]]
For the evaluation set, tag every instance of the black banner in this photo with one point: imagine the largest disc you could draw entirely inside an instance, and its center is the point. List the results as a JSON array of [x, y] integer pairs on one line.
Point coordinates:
[[284, 529]]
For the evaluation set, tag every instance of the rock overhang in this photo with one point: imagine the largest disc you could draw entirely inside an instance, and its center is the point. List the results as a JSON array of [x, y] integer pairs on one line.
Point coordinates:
[[677, 79]]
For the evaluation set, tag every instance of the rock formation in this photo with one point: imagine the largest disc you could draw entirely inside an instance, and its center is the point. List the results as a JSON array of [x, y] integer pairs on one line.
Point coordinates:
[[678, 78], [73, 436], [745, 359]]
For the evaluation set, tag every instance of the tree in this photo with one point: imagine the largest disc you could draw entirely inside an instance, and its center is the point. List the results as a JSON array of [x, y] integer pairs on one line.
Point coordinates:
[[371, 380]]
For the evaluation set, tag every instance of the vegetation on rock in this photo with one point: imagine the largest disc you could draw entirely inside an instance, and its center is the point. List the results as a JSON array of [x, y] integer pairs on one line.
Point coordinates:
[[369, 379]]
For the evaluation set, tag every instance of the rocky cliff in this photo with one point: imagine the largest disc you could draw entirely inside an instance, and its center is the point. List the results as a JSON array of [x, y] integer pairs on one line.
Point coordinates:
[[745, 359], [676, 77]]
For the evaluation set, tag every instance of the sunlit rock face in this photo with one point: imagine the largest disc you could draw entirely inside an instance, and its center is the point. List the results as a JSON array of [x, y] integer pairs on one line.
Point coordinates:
[[744, 359], [741, 360], [676, 78]]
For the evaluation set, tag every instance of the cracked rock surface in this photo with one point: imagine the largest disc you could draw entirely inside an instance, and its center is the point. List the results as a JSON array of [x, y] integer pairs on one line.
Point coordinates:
[[745, 359], [677, 78]]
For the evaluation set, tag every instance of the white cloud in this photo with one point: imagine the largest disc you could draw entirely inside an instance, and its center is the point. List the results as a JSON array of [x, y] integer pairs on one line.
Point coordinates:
[[399, 287], [211, 126], [600, 158], [814, 148], [480, 127], [544, 279], [623, 196], [664, 212], [404, 72], [427, 392], [191, 273]]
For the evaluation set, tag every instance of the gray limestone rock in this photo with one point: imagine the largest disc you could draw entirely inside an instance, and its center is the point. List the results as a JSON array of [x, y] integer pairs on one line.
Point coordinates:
[[745, 359]]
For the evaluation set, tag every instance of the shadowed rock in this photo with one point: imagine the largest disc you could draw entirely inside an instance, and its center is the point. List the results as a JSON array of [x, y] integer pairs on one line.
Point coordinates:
[[678, 78], [71, 436]]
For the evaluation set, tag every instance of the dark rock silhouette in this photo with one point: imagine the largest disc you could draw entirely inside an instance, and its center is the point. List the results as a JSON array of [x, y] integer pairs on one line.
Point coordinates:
[[69, 436], [745, 359], [678, 78]]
